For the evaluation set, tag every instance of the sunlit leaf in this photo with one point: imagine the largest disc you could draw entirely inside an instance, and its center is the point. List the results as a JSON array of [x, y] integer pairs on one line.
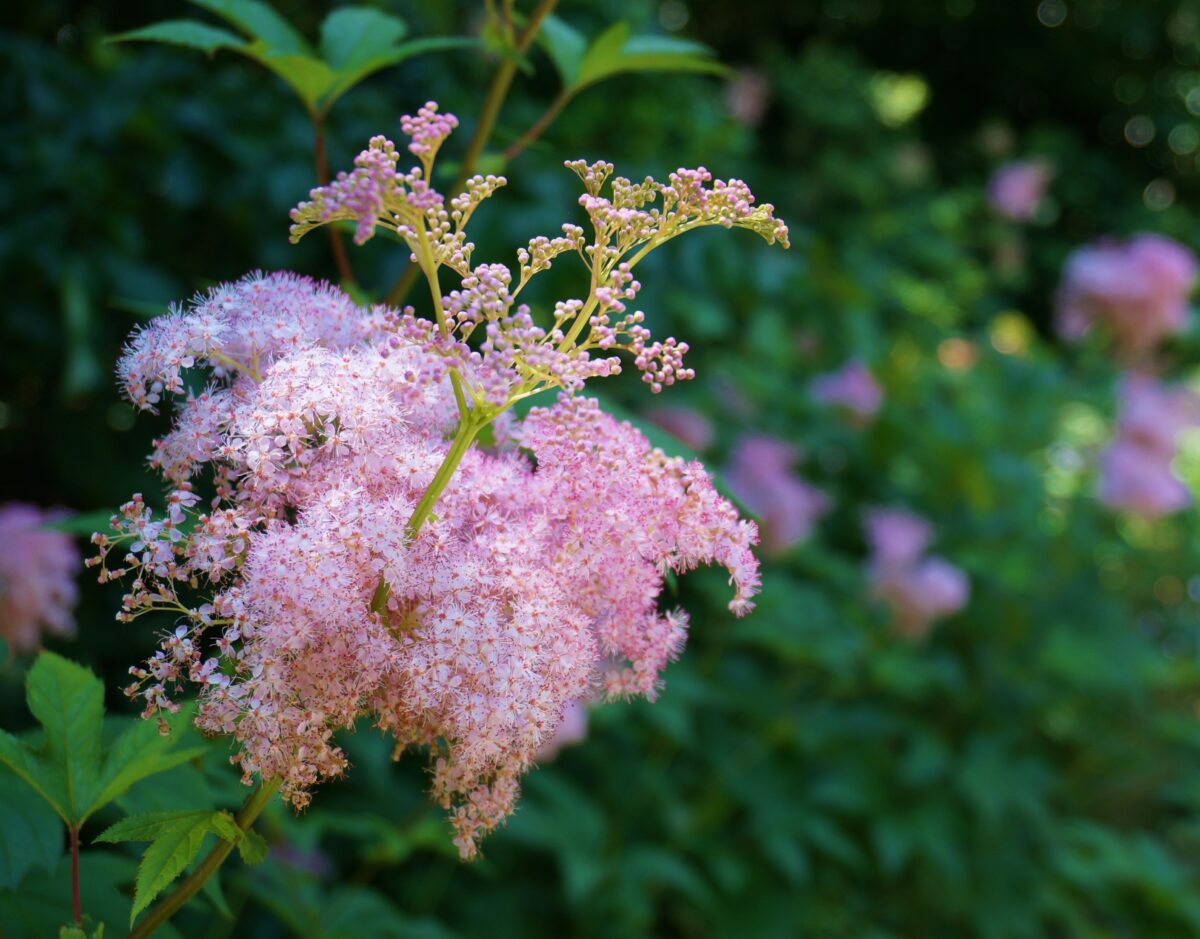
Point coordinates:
[[189, 33], [353, 35], [259, 21]]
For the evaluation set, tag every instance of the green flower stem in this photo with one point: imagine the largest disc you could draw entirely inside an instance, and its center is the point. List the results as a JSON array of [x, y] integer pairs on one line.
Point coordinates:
[[468, 427], [187, 888]]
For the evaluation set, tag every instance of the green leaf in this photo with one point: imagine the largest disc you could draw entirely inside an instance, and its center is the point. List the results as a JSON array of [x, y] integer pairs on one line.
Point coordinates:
[[31, 835], [189, 33], [565, 45], [355, 71], [309, 77], [175, 840], [614, 51], [67, 701], [252, 847], [66, 767], [139, 752], [261, 22], [602, 56], [83, 523], [352, 35]]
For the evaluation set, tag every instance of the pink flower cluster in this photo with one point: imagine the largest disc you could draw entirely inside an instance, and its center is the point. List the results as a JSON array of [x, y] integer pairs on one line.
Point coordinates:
[[1137, 290], [918, 588], [37, 577], [534, 583], [1135, 470], [628, 219], [1016, 189], [853, 389], [760, 474]]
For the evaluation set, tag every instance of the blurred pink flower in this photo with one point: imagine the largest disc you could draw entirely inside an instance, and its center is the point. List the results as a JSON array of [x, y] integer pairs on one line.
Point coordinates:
[[1135, 470], [747, 97], [37, 577], [571, 730], [760, 474], [918, 588], [1138, 289], [1016, 189], [688, 425], [853, 388]]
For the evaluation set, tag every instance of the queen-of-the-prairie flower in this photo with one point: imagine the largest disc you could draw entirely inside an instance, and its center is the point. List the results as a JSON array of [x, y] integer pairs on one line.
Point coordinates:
[[1017, 188], [1136, 290], [1135, 470], [852, 388], [335, 545], [761, 475], [38, 566], [917, 587]]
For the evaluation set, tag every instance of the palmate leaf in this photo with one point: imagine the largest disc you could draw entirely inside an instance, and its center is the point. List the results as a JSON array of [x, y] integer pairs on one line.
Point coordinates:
[[175, 840], [67, 767], [355, 43]]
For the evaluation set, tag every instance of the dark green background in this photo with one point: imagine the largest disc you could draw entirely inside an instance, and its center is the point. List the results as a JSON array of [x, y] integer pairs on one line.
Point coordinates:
[[1033, 770]]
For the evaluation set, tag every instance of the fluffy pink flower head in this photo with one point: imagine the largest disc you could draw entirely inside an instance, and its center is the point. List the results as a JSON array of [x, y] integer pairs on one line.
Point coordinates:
[[1135, 470], [358, 555], [686, 424], [37, 577], [535, 585], [1138, 290], [918, 588], [760, 474], [852, 388], [1017, 188]]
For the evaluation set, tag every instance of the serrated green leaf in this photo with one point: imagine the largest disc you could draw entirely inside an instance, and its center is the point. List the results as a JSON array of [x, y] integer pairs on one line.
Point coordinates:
[[189, 33], [175, 846], [354, 72], [565, 45], [66, 767], [139, 752], [260, 22], [252, 847], [145, 827], [352, 35], [31, 835], [602, 55], [67, 701]]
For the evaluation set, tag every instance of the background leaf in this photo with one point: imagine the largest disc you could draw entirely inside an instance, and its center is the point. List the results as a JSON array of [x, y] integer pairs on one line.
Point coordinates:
[[31, 834], [189, 33]]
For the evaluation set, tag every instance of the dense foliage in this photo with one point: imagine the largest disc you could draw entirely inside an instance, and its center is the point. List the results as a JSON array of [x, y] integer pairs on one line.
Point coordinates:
[[1029, 767]]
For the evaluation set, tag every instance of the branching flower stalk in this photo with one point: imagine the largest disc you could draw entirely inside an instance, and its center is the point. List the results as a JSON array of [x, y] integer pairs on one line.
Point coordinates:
[[356, 555]]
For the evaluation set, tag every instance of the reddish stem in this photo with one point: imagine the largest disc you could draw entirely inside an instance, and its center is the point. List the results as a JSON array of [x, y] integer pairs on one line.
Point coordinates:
[[75, 873], [340, 258]]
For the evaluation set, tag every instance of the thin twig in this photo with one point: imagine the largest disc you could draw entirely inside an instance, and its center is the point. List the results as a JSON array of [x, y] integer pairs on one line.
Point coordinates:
[[340, 258]]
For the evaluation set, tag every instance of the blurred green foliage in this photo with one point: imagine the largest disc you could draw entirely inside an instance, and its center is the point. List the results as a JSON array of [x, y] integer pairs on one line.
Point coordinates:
[[1032, 770]]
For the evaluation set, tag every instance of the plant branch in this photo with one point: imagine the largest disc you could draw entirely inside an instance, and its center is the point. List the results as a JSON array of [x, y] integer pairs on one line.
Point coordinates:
[[340, 258], [78, 911], [538, 127], [497, 91], [188, 887]]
